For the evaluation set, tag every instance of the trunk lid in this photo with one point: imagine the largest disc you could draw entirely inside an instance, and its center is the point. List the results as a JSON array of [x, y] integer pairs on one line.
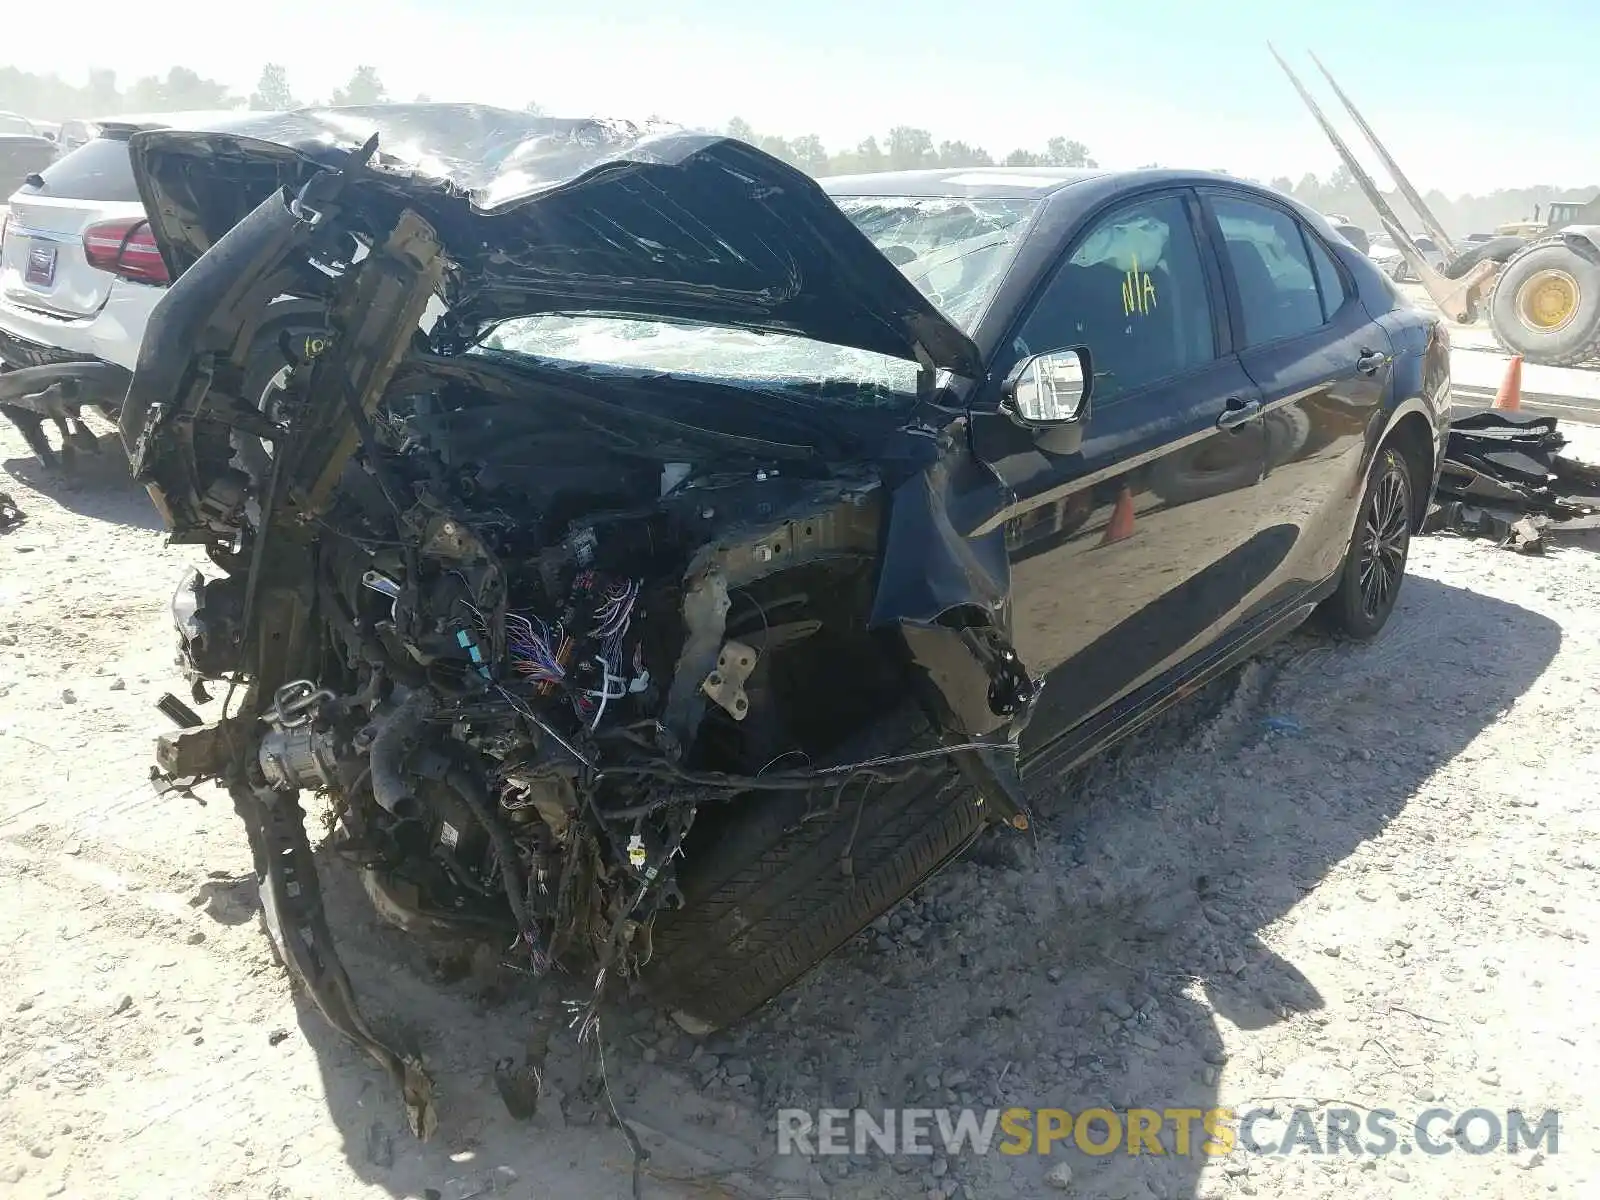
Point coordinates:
[[576, 216], [42, 261]]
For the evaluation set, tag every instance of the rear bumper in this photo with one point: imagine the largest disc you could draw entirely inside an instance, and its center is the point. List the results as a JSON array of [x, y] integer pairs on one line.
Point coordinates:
[[111, 335], [59, 389]]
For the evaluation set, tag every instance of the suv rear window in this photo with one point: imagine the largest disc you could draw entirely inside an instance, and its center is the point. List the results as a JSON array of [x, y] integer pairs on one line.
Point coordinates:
[[97, 170]]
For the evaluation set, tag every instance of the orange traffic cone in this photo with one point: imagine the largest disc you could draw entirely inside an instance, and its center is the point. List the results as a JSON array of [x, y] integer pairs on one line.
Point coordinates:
[[1121, 523], [1509, 397]]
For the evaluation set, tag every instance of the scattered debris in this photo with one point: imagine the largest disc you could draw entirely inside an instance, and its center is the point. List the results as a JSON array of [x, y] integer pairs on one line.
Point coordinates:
[[1504, 478], [10, 515]]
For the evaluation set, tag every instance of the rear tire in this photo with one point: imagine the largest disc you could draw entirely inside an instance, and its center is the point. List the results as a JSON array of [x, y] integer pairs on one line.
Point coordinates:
[[1375, 565], [767, 895], [1574, 341]]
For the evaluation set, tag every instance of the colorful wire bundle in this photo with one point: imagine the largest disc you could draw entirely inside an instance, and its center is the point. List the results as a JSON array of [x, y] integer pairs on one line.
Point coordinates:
[[536, 650], [542, 653], [612, 619]]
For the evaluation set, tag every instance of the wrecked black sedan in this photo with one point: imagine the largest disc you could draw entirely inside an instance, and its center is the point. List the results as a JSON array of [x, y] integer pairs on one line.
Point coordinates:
[[663, 563]]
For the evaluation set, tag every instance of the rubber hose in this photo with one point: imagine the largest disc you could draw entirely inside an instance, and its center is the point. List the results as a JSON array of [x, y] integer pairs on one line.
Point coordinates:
[[465, 784], [396, 734]]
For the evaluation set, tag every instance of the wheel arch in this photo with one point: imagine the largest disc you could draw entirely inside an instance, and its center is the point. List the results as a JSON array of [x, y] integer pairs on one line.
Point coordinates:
[[1413, 436]]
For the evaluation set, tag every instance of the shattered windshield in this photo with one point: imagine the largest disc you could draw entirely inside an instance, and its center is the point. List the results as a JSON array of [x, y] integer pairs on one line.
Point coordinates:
[[955, 250]]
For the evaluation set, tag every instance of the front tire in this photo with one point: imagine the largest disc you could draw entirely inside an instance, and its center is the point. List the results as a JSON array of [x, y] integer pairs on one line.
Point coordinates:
[[266, 368], [787, 877], [1375, 565]]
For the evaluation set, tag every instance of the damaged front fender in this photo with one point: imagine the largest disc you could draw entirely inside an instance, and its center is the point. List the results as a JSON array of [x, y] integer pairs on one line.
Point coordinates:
[[947, 593], [176, 421], [291, 902]]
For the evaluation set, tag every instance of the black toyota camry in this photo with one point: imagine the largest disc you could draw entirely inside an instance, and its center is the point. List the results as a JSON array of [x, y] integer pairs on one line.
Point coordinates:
[[663, 562]]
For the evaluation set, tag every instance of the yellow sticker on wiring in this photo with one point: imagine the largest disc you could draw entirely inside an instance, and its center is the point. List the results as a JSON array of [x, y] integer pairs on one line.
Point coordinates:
[[1138, 291]]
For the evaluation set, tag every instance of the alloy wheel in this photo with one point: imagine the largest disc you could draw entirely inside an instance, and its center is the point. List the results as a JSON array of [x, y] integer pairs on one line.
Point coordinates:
[[1385, 537]]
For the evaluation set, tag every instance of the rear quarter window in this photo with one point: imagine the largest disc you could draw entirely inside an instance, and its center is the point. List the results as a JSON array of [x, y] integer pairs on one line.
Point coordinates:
[[97, 170]]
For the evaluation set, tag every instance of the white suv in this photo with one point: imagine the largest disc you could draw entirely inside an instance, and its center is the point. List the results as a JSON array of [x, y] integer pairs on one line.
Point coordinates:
[[79, 274]]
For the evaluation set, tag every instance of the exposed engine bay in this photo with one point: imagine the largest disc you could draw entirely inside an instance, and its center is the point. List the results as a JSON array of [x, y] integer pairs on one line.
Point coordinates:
[[537, 678], [548, 671], [535, 632]]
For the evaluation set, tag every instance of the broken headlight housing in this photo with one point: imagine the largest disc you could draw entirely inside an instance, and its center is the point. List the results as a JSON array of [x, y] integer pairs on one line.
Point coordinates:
[[207, 614]]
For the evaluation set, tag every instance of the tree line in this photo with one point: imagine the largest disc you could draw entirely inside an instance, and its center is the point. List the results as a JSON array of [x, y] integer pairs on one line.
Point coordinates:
[[905, 147]]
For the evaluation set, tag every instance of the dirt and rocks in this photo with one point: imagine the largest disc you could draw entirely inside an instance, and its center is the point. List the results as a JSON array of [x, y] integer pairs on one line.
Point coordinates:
[[1347, 876]]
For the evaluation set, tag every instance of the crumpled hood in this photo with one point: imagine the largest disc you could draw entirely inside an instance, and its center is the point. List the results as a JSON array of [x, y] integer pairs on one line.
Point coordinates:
[[544, 215]]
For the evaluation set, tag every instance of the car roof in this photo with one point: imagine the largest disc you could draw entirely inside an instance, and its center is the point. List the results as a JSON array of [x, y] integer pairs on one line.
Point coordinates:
[[200, 120], [977, 182], [1015, 183]]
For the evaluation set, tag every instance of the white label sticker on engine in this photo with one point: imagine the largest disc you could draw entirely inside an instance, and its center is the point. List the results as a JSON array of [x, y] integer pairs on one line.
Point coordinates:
[[449, 835]]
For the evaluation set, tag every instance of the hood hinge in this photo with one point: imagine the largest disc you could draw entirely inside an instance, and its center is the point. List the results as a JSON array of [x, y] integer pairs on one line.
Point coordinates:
[[927, 374]]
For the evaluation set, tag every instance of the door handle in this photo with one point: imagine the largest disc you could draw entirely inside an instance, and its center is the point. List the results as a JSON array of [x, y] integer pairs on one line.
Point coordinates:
[[1370, 361], [1239, 413]]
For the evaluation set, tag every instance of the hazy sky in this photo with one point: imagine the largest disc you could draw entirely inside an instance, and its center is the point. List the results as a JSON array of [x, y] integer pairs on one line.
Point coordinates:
[[1479, 96]]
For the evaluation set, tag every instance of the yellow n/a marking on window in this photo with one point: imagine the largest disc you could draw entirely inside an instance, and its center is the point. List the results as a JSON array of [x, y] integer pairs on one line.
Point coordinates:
[[1138, 291]]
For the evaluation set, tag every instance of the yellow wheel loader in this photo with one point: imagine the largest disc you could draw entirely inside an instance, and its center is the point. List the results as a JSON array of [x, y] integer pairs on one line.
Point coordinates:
[[1541, 294]]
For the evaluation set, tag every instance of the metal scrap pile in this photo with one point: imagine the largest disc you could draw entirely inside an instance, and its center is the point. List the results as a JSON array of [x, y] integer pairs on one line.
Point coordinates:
[[1505, 478]]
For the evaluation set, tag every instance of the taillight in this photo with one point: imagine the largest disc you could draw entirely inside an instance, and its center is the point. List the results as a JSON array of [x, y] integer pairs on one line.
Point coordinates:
[[126, 248]]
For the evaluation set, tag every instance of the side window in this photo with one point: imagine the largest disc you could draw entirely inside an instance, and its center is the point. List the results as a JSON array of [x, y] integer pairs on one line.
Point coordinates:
[[1277, 285], [1329, 281], [1134, 292]]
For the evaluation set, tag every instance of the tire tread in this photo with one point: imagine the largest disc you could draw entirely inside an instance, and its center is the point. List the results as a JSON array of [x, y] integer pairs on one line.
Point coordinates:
[[771, 899]]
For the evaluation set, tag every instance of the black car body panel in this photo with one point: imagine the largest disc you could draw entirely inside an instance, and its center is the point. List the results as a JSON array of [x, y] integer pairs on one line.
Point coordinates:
[[540, 215], [435, 518]]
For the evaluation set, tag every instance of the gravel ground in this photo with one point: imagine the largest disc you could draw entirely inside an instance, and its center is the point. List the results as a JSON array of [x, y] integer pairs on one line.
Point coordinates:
[[1347, 875]]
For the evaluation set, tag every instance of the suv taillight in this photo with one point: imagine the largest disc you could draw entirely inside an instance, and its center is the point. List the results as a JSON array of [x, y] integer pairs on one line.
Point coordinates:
[[126, 248]]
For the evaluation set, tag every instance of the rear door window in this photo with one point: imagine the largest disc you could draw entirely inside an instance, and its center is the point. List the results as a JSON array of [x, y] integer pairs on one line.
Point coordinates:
[[1330, 280], [1267, 250], [97, 170]]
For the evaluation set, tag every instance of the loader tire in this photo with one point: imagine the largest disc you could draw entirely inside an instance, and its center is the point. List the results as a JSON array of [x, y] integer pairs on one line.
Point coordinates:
[[1562, 334], [1498, 249], [783, 879]]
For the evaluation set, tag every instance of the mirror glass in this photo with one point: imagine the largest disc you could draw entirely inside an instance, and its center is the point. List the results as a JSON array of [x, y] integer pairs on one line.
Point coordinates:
[[1051, 388]]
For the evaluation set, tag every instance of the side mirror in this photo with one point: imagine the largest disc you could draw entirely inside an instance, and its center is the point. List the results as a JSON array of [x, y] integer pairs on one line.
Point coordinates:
[[1049, 394]]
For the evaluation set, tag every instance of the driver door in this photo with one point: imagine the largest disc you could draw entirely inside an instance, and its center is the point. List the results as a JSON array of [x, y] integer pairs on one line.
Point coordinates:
[[1134, 552]]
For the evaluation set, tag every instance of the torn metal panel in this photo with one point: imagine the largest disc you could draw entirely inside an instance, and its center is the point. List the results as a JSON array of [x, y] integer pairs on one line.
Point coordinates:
[[291, 902], [61, 389], [1504, 478], [543, 215], [10, 515], [57, 392]]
